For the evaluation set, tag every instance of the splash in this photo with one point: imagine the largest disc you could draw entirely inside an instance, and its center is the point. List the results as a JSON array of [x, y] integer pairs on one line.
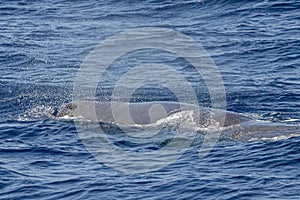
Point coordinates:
[[37, 113]]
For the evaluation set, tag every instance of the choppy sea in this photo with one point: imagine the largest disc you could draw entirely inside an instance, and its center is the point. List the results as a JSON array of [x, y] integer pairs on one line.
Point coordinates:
[[255, 46]]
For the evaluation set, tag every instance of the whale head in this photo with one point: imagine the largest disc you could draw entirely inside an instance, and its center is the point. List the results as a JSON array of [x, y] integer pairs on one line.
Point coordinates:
[[66, 110]]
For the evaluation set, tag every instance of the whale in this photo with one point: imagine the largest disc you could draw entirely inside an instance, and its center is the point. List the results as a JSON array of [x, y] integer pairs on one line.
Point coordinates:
[[143, 112], [235, 125]]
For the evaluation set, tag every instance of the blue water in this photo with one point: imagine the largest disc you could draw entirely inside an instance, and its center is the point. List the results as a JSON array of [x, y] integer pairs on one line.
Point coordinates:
[[255, 45]]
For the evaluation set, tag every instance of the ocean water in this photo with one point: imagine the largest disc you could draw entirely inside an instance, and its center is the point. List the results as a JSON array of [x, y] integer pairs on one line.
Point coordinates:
[[255, 46]]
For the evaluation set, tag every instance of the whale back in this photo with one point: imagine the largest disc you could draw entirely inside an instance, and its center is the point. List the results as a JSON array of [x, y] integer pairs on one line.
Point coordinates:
[[143, 113]]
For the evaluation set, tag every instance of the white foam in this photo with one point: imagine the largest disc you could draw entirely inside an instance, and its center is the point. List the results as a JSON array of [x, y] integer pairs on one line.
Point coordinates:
[[37, 112], [291, 120], [276, 138]]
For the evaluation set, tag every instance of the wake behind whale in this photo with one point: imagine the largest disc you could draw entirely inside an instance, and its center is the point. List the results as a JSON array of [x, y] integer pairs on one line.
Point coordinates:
[[232, 125]]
